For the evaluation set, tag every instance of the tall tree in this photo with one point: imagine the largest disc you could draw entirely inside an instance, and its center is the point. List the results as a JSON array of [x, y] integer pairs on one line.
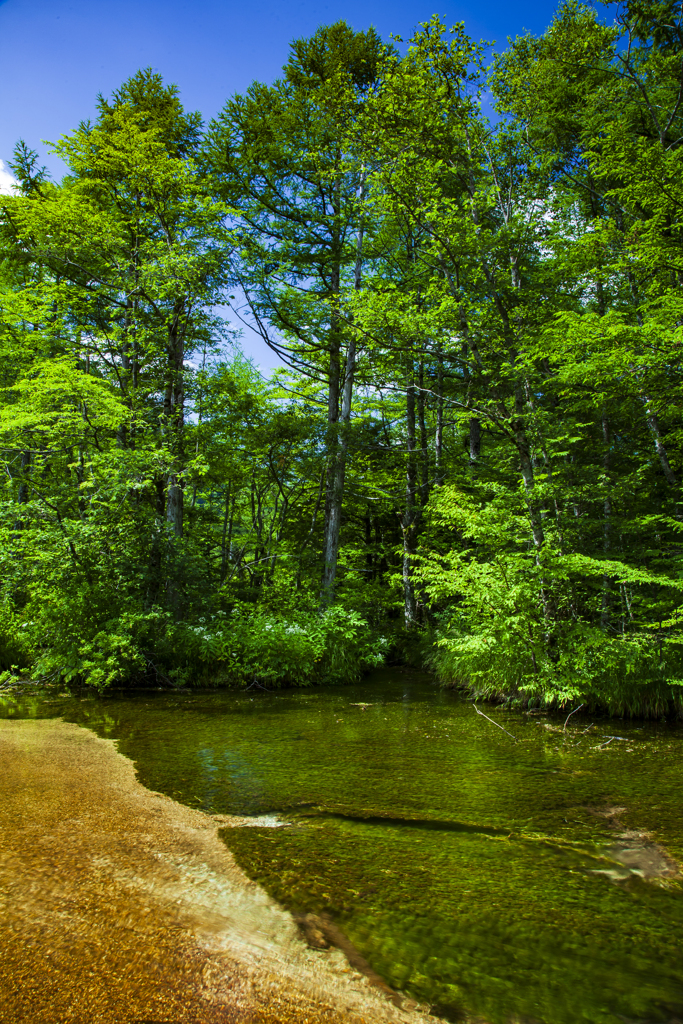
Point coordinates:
[[282, 158], [128, 259]]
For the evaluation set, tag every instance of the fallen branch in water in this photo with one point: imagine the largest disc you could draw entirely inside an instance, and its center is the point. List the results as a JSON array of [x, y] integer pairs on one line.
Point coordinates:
[[494, 723], [158, 674], [256, 683], [570, 715]]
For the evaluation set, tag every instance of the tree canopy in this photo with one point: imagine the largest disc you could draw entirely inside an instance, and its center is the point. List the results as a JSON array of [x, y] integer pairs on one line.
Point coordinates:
[[472, 455]]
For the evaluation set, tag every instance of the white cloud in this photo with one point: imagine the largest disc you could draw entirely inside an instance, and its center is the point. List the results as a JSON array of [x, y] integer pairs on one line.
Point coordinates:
[[7, 181]]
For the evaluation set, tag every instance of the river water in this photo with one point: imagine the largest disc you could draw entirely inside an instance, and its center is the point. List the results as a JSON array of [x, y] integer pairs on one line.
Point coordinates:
[[525, 875]]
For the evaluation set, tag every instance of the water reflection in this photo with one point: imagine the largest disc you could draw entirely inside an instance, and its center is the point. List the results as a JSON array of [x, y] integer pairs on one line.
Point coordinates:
[[482, 875]]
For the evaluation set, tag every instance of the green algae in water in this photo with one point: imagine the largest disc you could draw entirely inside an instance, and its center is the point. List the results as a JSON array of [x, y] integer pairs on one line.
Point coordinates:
[[473, 923], [463, 866]]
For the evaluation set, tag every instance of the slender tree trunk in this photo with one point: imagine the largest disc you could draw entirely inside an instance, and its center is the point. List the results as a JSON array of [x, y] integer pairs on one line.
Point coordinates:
[[311, 530], [225, 540], [369, 559], [438, 438], [475, 422], [174, 415], [475, 440], [381, 561], [527, 469], [23, 493], [653, 425], [80, 477], [606, 524], [651, 417], [333, 496], [409, 517], [155, 555], [337, 469], [24, 481], [338, 475], [129, 365], [424, 448], [535, 517]]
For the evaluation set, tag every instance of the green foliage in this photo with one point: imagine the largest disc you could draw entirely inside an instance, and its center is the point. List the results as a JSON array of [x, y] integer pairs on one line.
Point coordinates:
[[477, 439], [253, 646], [249, 645], [110, 651], [16, 649], [527, 627]]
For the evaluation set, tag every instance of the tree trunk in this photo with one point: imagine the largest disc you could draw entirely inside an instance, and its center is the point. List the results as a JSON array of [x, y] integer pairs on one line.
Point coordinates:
[[424, 448], [155, 555], [336, 489], [174, 416], [526, 466], [24, 484], [369, 559], [475, 440], [226, 537], [607, 510], [309, 536], [653, 425], [339, 438], [335, 484], [438, 439], [410, 514]]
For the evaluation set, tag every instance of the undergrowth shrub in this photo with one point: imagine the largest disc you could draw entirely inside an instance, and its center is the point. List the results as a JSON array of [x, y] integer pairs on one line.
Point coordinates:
[[102, 647], [549, 627], [96, 649], [252, 645], [624, 678], [15, 642]]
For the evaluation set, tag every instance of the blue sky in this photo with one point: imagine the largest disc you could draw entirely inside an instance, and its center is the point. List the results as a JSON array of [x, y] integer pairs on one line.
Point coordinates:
[[56, 55]]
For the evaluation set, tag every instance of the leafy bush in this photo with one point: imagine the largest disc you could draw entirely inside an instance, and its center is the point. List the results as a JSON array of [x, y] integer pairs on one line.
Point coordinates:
[[255, 645], [78, 642], [15, 644], [526, 626], [96, 650]]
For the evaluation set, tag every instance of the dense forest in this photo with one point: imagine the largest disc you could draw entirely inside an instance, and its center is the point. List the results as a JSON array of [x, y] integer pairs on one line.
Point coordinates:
[[471, 266]]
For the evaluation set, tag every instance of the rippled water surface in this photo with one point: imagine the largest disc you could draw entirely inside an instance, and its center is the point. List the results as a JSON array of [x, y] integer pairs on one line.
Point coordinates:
[[530, 880]]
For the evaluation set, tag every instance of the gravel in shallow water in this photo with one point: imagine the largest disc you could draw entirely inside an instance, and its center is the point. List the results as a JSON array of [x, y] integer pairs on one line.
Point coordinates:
[[120, 906]]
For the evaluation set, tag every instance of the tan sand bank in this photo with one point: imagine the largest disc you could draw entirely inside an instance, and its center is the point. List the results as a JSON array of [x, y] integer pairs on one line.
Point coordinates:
[[118, 905]]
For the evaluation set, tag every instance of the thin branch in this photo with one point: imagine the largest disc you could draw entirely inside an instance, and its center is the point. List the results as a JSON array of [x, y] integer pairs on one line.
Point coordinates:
[[564, 729], [494, 723]]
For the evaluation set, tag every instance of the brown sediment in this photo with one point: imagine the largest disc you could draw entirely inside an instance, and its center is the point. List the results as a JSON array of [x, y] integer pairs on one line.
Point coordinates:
[[118, 905]]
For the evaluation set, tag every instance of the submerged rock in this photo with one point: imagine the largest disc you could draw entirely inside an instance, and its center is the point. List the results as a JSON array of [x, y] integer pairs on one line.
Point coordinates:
[[636, 852]]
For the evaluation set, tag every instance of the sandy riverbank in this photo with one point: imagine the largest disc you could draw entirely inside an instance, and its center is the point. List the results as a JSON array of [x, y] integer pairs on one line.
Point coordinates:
[[120, 906]]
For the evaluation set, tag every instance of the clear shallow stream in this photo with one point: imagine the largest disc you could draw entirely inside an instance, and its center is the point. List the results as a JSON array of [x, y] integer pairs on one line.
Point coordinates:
[[518, 881]]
